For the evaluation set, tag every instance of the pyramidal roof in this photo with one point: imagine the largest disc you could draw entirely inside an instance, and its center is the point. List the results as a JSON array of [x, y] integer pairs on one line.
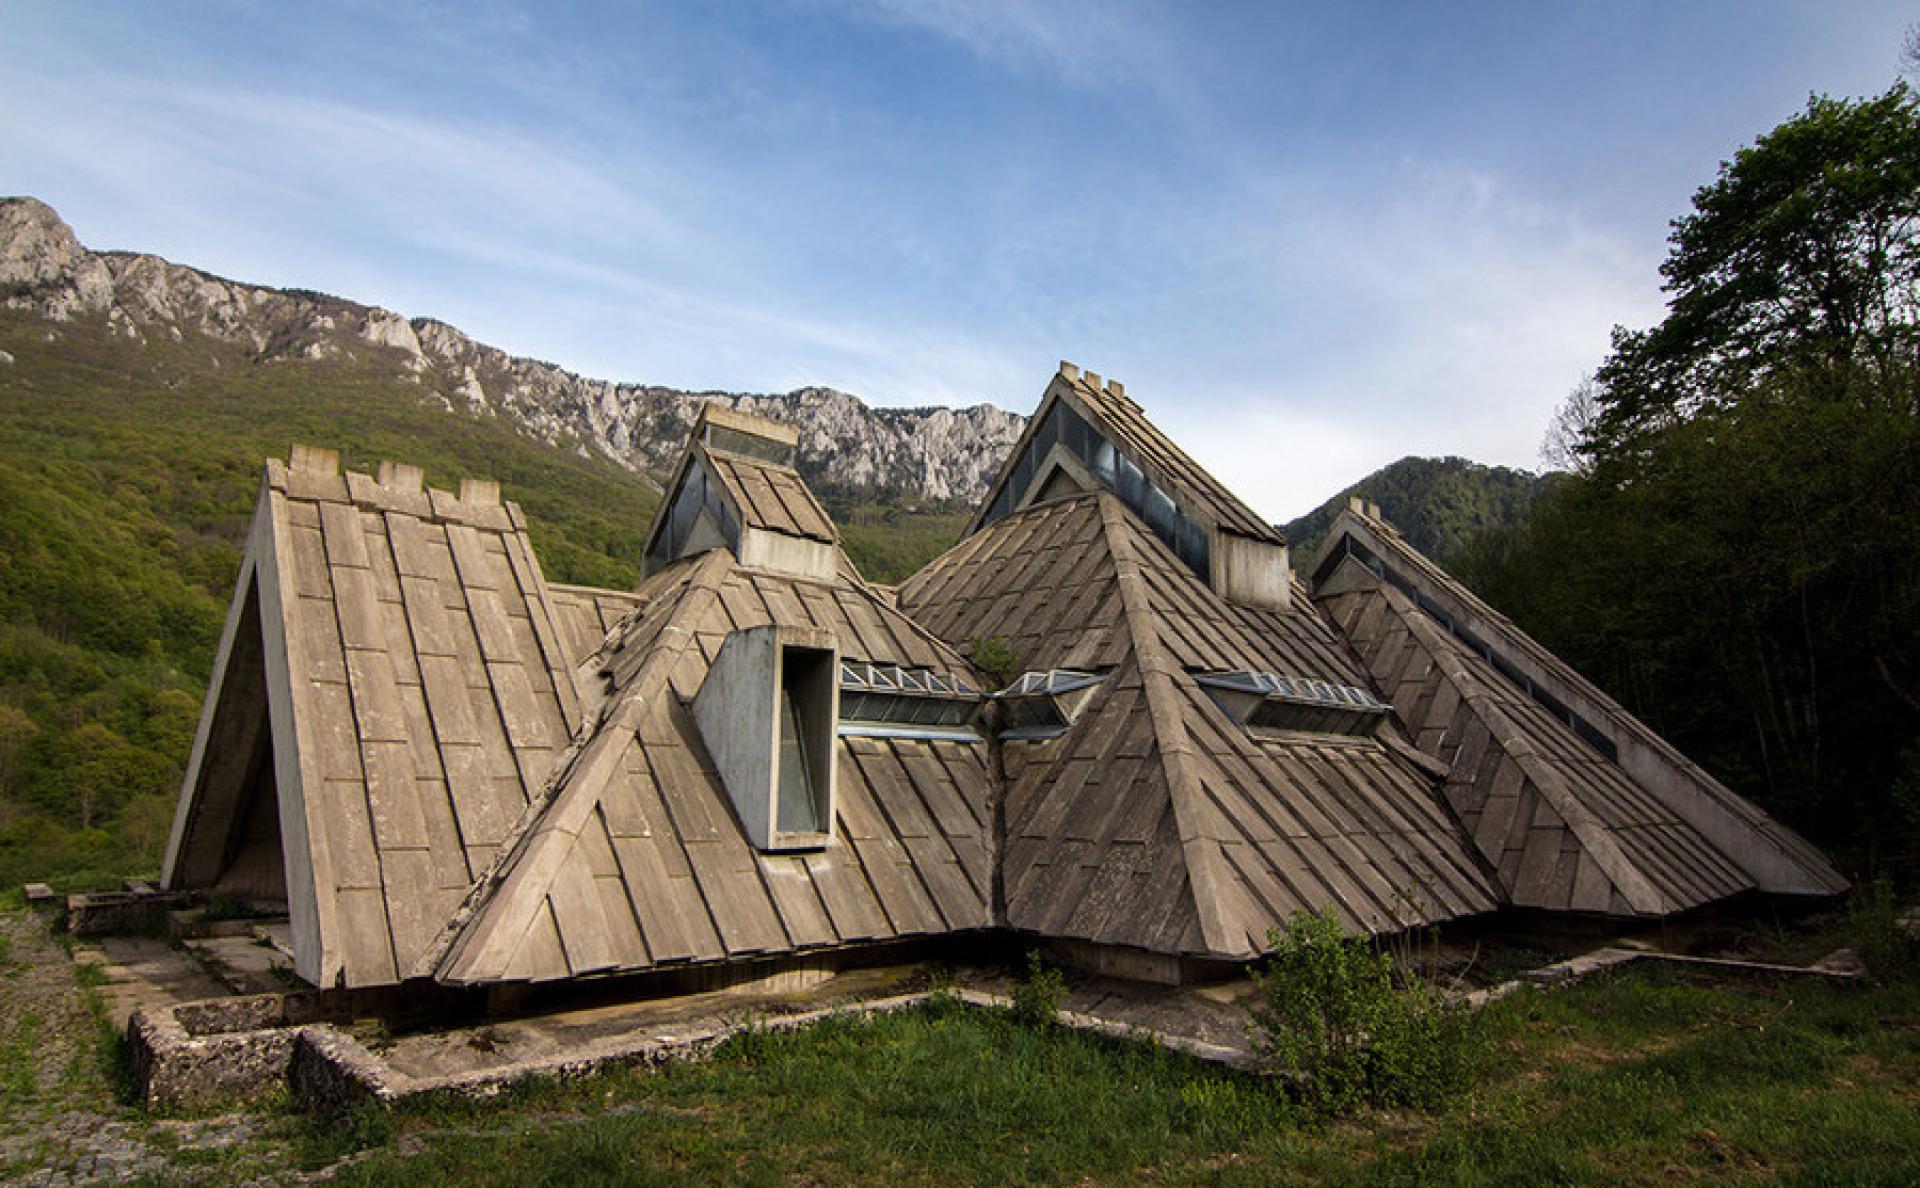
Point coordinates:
[[448, 768], [1576, 803], [1154, 820], [631, 859]]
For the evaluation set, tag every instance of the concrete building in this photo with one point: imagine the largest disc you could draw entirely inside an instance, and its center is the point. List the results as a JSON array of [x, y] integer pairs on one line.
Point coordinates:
[[449, 770]]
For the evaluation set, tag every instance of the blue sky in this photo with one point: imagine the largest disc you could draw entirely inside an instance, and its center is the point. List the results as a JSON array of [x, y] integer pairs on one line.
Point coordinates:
[[1311, 239]]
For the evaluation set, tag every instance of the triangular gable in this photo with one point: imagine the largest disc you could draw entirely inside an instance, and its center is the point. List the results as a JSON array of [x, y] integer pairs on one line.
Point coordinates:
[[1578, 803], [735, 488], [1088, 435], [417, 689]]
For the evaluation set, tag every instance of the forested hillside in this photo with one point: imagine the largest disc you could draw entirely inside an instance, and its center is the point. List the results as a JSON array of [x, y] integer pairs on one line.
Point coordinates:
[[128, 474], [1438, 504]]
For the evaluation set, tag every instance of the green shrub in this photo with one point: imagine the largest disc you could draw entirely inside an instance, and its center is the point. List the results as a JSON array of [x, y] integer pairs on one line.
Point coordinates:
[[994, 656], [1878, 934], [1038, 999], [1332, 1017]]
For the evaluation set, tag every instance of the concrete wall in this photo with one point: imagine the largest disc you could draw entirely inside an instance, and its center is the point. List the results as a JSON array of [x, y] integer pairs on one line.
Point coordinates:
[[1250, 572], [738, 712]]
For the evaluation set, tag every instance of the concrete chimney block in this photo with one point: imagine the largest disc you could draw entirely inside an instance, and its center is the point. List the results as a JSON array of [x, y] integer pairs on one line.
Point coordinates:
[[1356, 505], [1070, 370], [1117, 388], [479, 492], [400, 476], [1093, 380], [306, 459]]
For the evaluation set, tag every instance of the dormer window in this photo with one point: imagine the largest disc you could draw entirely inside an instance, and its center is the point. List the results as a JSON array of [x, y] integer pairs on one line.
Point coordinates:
[[1267, 702], [1043, 705], [725, 434], [887, 700], [766, 713], [736, 488]]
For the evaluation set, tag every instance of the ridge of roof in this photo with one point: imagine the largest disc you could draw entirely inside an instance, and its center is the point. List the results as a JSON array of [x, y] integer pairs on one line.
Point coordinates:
[[1171, 741], [1122, 413], [1124, 424], [314, 474], [1593, 834], [565, 800]]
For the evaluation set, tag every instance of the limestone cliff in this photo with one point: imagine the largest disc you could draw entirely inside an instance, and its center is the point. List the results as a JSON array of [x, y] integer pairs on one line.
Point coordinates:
[[937, 454]]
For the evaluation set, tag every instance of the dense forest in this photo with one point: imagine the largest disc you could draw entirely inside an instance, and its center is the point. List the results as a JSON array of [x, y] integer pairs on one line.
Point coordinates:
[[1736, 555], [128, 474]]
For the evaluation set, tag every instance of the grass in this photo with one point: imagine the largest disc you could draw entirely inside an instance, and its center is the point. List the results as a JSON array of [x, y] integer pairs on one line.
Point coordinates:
[[1649, 1074], [1644, 1076]]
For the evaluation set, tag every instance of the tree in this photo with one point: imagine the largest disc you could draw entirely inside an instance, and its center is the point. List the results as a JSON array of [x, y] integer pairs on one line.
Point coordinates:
[[1572, 424], [16, 728], [1803, 255], [1737, 559]]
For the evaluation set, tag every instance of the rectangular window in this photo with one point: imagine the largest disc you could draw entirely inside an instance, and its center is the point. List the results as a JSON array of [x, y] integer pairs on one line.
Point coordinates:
[[802, 802], [797, 810]]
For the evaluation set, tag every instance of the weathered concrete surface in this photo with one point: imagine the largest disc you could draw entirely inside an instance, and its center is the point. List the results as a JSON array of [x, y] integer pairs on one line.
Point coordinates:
[[141, 972], [248, 964], [119, 912], [331, 1069]]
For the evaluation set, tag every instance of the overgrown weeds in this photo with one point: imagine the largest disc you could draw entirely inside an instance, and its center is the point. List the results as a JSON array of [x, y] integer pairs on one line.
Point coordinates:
[[1335, 1020], [1038, 999], [1882, 939]]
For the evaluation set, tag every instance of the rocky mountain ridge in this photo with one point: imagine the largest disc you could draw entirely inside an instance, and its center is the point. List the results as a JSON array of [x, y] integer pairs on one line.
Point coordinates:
[[941, 455]]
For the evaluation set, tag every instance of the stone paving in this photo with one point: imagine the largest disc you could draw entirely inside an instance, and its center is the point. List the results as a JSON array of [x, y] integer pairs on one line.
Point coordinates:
[[60, 1122]]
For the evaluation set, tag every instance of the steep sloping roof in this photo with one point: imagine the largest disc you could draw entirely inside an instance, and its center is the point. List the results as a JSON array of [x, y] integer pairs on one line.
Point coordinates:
[[584, 615], [1155, 821], [1116, 418], [420, 692], [633, 857], [1576, 803], [771, 496]]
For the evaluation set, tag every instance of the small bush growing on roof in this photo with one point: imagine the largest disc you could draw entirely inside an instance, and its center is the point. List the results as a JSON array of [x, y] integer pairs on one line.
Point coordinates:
[[1332, 1017], [1038, 999], [993, 655]]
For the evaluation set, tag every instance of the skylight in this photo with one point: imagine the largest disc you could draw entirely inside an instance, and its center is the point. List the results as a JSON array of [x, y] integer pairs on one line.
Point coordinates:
[[1269, 701], [891, 699], [1067, 429], [1044, 704]]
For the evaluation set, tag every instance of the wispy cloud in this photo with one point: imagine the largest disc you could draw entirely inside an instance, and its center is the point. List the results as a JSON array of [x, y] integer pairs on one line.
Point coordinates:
[[1449, 316], [1310, 239], [1084, 42]]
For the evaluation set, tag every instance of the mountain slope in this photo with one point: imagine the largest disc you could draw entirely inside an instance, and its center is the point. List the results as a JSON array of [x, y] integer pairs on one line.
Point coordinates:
[[936, 455], [1437, 503]]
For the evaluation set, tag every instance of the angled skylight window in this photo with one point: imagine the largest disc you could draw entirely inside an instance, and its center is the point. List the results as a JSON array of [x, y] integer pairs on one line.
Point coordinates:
[[1044, 704], [1268, 701], [888, 700], [1069, 432], [696, 519]]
